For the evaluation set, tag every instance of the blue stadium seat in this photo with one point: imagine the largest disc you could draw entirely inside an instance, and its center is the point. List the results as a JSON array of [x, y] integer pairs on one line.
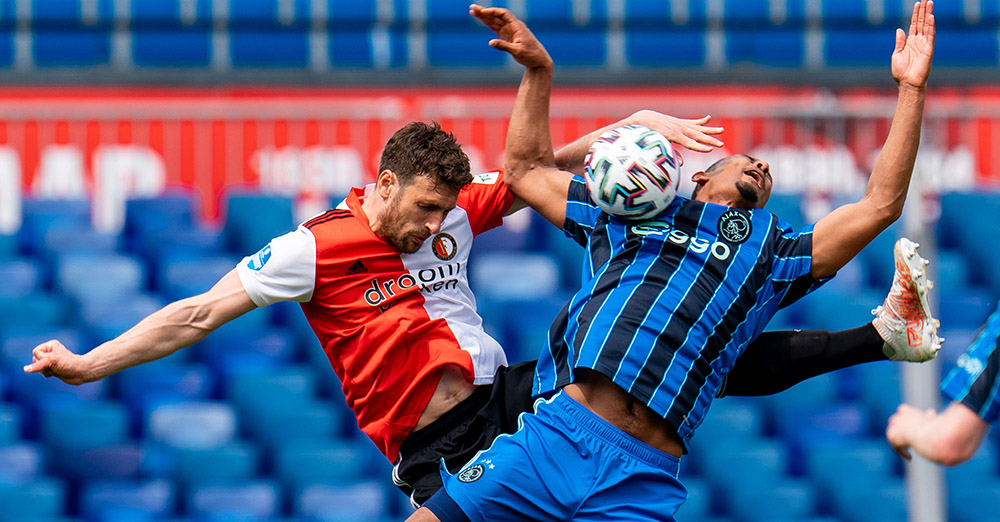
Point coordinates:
[[831, 310], [258, 500], [121, 500], [20, 277], [568, 253], [232, 350], [42, 499], [308, 420], [178, 279], [99, 276], [821, 422], [8, 25], [455, 39], [869, 461], [764, 501], [59, 242], [112, 462], [759, 35], [950, 270], [349, 33], [63, 35], [574, 33], [728, 421], [521, 325], [864, 502], [105, 319], [10, 421], [169, 211], [289, 385], [261, 35], [145, 386], [973, 503], [164, 36], [253, 219], [752, 460], [192, 424], [964, 307], [318, 461], [39, 310], [658, 36], [228, 463], [41, 215], [84, 425], [968, 47], [353, 502], [819, 390], [879, 389], [20, 463], [513, 275]]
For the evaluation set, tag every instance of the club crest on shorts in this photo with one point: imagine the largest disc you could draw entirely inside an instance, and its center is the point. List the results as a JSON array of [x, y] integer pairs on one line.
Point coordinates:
[[734, 226], [444, 246], [471, 473]]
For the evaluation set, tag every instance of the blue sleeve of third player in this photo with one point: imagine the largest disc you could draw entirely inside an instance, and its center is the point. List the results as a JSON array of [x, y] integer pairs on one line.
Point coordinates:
[[581, 212], [975, 381]]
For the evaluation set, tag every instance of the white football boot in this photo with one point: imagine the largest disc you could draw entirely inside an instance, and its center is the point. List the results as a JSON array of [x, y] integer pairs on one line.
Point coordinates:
[[904, 320]]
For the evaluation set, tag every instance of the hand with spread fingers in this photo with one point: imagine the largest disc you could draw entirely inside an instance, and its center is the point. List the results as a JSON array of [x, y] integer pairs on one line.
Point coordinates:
[[911, 59], [514, 36]]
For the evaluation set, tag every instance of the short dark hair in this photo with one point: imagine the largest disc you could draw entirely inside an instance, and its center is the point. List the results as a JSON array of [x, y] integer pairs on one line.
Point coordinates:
[[424, 149], [714, 167]]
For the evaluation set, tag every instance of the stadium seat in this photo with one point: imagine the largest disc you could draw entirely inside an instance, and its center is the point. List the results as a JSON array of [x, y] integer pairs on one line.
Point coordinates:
[[262, 34], [513, 275], [99, 276], [309, 420], [252, 220], [227, 463], [120, 500], [10, 421], [455, 39], [106, 319], [288, 386], [868, 461], [318, 461], [764, 501], [964, 307], [967, 47], [658, 35], [169, 211], [37, 310], [181, 278], [864, 502], [20, 277], [84, 425], [757, 33], [729, 421], [353, 502], [8, 24], [60, 242], [192, 424], [973, 503], [42, 499], [829, 309], [258, 500], [145, 386], [821, 422], [110, 462], [165, 36], [20, 462], [350, 34], [41, 215], [879, 384], [752, 460], [232, 350], [64, 35], [521, 324], [574, 33]]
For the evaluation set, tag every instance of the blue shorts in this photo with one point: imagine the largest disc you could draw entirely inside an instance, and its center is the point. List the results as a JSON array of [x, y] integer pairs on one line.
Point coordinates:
[[563, 463]]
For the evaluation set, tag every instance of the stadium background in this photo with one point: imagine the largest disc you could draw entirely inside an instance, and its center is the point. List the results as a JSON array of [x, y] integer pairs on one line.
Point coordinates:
[[147, 145]]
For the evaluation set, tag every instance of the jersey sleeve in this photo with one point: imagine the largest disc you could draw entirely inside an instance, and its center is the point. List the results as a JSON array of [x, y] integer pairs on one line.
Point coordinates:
[[486, 200], [974, 380], [581, 212], [791, 270], [284, 270]]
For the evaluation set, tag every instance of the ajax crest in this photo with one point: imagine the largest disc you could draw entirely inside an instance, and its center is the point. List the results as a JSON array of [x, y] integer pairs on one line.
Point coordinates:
[[734, 226]]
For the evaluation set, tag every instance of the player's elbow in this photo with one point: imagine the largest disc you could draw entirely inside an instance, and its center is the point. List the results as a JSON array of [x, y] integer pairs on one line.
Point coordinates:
[[952, 447]]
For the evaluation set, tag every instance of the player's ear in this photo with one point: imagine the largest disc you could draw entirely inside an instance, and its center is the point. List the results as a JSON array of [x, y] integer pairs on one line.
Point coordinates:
[[699, 177], [385, 183]]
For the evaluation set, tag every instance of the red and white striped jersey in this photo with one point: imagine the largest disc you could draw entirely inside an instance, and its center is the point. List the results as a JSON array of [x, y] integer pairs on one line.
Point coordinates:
[[387, 321]]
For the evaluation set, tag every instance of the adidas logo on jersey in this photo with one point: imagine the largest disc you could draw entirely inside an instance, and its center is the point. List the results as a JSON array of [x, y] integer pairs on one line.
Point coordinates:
[[357, 268]]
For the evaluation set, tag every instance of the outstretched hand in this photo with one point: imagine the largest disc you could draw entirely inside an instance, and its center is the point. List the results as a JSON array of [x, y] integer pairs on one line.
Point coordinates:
[[514, 36], [911, 59], [903, 424], [52, 359], [693, 135]]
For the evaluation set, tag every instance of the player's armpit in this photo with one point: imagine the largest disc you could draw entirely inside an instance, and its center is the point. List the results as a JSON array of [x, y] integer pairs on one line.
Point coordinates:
[[545, 189]]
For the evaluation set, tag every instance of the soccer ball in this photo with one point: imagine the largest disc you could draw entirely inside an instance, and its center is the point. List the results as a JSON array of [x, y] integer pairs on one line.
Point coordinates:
[[632, 172]]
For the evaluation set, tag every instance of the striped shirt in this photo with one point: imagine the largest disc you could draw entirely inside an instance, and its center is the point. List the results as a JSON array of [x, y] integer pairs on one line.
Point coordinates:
[[974, 381], [667, 306]]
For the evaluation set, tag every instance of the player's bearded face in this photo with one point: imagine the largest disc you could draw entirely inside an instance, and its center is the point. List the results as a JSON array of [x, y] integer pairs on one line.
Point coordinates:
[[414, 213]]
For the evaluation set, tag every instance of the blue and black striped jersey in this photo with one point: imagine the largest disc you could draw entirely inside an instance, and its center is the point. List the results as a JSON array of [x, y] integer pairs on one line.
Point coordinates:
[[666, 306], [975, 382]]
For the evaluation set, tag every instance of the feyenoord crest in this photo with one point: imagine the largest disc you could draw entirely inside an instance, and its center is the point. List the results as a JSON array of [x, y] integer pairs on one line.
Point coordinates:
[[734, 226], [444, 246], [471, 474]]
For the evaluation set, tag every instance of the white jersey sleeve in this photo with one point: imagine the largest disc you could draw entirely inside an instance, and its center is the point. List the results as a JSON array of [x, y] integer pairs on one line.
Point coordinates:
[[284, 270]]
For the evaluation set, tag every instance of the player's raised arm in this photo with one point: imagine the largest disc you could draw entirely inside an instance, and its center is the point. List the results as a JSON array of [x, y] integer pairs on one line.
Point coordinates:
[[173, 327], [839, 236], [531, 170]]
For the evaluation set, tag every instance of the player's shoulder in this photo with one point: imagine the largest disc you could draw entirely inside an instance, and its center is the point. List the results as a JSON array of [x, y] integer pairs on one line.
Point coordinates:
[[337, 227]]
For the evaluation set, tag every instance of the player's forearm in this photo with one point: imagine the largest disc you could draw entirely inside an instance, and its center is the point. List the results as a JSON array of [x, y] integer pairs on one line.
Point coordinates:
[[529, 139], [950, 438], [176, 326], [893, 169]]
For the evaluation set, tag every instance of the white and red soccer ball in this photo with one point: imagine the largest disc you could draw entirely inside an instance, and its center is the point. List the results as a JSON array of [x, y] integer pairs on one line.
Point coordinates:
[[632, 172]]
